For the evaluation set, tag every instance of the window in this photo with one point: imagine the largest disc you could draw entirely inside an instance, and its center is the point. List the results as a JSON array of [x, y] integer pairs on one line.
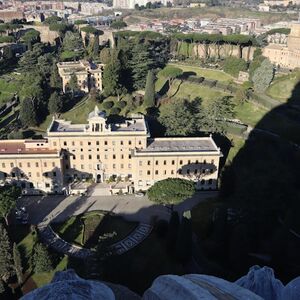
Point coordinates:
[[81, 143], [45, 164], [65, 143], [129, 156], [197, 161], [165, 162], [129, 142], [89, 143], [81, 156], [212, 161], [90, 156], [122, 156], [149, 163], [156, 162], [47, 185], [81, 149], [121, 142], [13, 174], [29, 174], [140, 172], [211, 171], [129, 166], [105, 143], [165, 172], [3, 165], [204, 161], [122, 166], [98, 149], [98, 156], [156, 172], [73, 143], [54, 144], [179, 171], [11, 165], [180, 162], [173, 162], [113, 143], [105, 156], [172, 172], [210, 181], [97, 143], [140, 163], [53, 164], [114, 166], [82, 167], [148, 172], [114, 156], [189, 161], [202, 181], [37, 164], [20, 165], [37, 174], [140, 142], [74, 157]]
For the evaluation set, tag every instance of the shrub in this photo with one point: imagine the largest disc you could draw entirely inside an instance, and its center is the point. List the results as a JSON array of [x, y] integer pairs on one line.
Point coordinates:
[[108, 104], [115, 111], [122, 104], [233, 66]]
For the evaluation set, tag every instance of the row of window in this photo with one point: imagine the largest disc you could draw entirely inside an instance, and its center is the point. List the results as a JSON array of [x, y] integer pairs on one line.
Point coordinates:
[[29, 174], [172, 172], [114, 166], [202, 182], [97, 143], [173, 162], [106, 156], [28, 164]]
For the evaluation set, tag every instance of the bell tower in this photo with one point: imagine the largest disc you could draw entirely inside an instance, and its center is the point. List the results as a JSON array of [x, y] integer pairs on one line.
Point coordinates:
[[97, 121]]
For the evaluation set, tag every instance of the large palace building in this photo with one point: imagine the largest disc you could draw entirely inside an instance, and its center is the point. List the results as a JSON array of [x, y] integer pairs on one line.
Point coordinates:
[[103, 151], [286, 55]]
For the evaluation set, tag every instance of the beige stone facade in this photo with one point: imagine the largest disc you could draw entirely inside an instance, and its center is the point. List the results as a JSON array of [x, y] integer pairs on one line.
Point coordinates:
[[286, 56], [125, 151], [89, 75]]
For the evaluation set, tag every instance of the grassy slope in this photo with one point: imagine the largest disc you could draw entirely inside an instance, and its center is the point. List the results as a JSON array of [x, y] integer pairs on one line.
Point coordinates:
[[281, 89]]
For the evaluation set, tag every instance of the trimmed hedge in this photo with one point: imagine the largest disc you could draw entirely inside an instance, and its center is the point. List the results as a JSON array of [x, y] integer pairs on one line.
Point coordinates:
[[264, 101], [235, 128], [108, 104]]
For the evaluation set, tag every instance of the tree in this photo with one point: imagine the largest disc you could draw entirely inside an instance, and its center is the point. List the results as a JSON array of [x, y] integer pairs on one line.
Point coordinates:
[[28, 62], [96, 46], [170, 73], [255, 63], [171, 191], [41, 259], [263, 76], [44, 64], [105, 55], [31, 37], [8, 198], [140, 64], [6, 260], [218, 111], [118, 24], [55, 103], [73, 84], [149, 98], [72, 46], [17, 263], [55, 79], [32, 86], [184, 241], [233, 66], [111, 77], [28, 115], [181, 117]]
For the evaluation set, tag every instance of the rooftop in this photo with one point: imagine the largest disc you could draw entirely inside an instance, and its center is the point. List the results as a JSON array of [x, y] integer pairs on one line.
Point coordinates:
[[205, 144], [19, 147]]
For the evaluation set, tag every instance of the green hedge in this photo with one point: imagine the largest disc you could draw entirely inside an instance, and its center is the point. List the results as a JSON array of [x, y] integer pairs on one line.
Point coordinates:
[[263, 100], [235, 128]]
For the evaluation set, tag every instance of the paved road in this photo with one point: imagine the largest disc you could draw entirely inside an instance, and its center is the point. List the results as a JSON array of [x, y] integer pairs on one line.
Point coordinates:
[[58, 208]]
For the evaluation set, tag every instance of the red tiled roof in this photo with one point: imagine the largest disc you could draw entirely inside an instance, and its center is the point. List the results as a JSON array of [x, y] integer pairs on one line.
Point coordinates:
[[19, 148]]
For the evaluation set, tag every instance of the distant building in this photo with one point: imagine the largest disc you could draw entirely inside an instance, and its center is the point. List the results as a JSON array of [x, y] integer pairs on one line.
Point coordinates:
[[100, 150], [130, 4], [286, 55], [8, 15], [89, 75]]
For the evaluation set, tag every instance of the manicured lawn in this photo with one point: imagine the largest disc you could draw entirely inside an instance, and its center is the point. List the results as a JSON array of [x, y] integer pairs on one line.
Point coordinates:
[[283, 87], [86, 229], [250, 113], [207, 73], [190, 91], [237, 144], [9, 84]]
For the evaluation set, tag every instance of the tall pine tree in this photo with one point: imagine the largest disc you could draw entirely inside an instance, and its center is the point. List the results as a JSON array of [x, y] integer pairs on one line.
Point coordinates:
[[140, 64], [28, 113], [41, 259], [55, 103], [6, 260], [149, 99], [17, 263]]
